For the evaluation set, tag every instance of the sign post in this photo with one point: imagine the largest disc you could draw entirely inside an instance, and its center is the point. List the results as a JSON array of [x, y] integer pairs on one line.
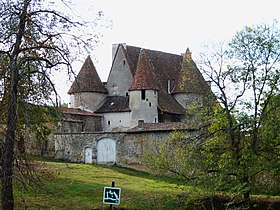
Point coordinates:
[[112, 195]]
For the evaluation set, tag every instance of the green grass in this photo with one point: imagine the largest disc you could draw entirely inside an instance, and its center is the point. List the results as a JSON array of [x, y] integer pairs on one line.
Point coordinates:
[[79, 186]]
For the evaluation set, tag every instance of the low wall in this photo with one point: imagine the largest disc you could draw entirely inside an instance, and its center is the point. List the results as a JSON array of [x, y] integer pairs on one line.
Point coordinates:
[[130, 146]]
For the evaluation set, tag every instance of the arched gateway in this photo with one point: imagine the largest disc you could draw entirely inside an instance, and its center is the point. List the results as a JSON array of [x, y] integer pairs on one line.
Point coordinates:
[[106, 151]]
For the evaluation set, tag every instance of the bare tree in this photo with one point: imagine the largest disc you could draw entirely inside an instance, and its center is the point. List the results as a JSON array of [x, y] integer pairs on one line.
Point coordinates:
[[35, 41]]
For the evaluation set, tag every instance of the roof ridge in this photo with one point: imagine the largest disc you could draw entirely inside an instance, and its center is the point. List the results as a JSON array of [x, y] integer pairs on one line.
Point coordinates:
[[156, 51]]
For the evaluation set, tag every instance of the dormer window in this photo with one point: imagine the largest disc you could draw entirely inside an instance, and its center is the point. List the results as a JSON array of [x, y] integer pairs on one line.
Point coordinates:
[[170, 86], [143, 94]]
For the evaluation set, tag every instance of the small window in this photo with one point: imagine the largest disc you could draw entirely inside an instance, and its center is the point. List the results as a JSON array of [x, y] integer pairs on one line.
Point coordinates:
[[124, 62], [150, 104], [155, 120], [126, 94], [109, 122], [120, 121], [143, 94]]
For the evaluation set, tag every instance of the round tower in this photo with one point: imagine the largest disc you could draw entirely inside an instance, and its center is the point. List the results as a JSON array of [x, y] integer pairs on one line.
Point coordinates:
[[87, 91], [143, 93], [191, 88]]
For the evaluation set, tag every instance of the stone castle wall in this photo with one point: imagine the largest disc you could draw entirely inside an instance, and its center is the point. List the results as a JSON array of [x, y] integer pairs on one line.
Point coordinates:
[[130, 146]]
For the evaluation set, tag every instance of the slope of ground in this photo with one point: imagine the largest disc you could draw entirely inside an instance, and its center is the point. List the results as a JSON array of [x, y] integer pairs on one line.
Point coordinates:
[[79, 186]]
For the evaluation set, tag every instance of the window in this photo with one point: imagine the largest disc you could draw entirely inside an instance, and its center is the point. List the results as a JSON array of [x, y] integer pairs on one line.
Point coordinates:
[[143, 94], [109, 122], [124, 62], [150, 104]]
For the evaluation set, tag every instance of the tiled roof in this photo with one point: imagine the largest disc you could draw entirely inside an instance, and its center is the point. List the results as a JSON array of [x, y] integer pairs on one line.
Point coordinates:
[[144, 74], [132, 56], [164, 127], [165, 67], [76, 111], [114, 104], [190, 79], [87, 80], [167, 103], [169, 67]]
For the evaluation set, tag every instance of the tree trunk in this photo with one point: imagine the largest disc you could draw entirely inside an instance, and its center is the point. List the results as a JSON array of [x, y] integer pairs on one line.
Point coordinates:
[[7, 169], [8, 153], [10, 138]]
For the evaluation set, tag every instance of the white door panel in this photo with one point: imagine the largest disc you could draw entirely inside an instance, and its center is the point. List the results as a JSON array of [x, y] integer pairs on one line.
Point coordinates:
[[106, 151], [88, 155]]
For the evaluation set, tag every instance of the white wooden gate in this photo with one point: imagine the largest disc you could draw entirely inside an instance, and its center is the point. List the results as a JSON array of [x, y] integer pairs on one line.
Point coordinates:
[[88, 155], [106, 151]]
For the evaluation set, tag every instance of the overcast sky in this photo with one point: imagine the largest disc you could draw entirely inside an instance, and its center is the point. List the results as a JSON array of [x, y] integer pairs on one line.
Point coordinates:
[[169, 25]]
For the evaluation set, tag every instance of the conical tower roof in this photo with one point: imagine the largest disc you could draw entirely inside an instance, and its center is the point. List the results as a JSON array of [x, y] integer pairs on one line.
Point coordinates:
[[87, 80], [144, 77], [190, 79]]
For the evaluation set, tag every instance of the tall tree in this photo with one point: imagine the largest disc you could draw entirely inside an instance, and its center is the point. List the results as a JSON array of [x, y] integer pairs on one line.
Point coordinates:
[[235, 149], [34, 42], [245, 76]]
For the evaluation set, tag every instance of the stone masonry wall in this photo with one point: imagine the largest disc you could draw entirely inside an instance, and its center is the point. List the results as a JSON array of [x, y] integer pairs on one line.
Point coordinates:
[[130, 146]]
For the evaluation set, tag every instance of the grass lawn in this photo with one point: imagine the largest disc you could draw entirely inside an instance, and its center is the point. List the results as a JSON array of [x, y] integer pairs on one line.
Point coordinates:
[[79, 186]]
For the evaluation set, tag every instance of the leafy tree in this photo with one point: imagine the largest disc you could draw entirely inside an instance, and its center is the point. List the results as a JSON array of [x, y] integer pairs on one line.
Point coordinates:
[[246, 79], [35, 41], [241, 141]]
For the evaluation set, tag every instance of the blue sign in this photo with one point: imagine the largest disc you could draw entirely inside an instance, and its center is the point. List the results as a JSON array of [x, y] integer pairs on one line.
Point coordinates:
[[112, 195]]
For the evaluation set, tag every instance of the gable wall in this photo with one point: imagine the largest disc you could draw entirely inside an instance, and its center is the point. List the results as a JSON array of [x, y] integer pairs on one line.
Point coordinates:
[[120, 77]]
